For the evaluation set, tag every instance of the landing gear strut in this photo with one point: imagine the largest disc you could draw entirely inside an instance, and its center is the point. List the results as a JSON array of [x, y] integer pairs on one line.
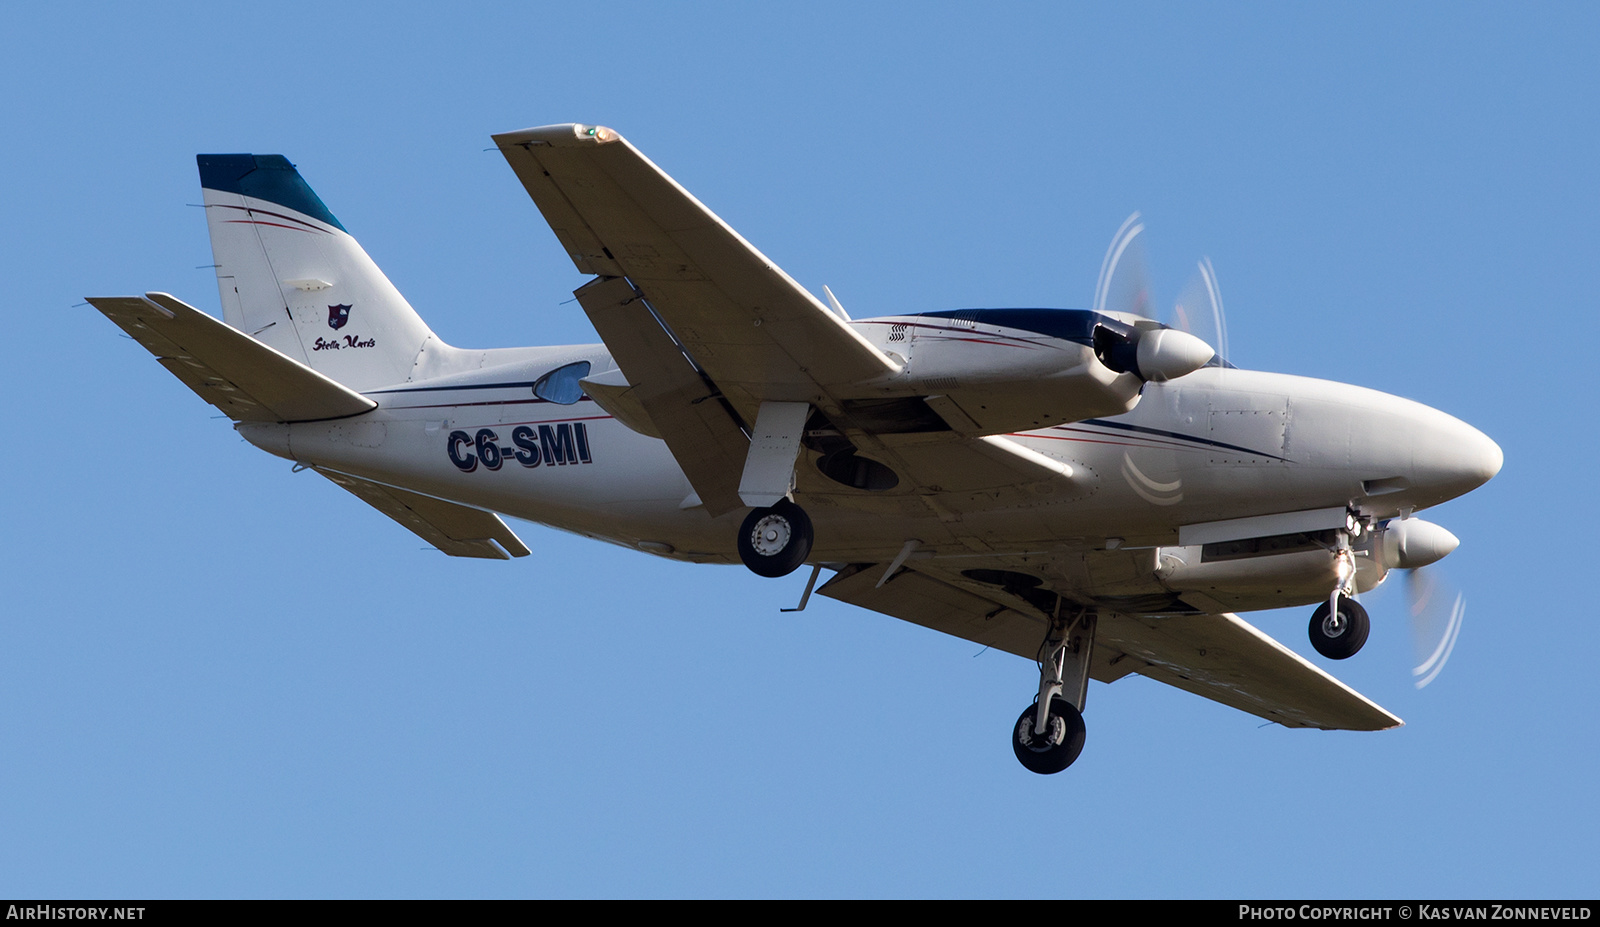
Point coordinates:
[[774, 540], [1050, 733], [776, 537], [1339, 626]]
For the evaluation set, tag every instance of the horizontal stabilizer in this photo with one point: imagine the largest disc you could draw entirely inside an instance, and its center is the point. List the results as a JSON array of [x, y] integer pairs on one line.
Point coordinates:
[[455, 529], [247, 380]]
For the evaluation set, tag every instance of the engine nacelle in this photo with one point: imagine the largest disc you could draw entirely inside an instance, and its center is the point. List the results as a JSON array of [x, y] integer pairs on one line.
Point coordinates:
[[1243, 581], [993, 371]]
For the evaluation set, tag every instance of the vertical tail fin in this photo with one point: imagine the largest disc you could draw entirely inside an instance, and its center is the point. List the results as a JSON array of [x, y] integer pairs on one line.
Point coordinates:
[[292, 277]]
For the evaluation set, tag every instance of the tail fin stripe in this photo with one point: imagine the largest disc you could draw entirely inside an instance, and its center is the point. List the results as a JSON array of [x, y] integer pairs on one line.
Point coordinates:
[[276, 225], [267, 212]]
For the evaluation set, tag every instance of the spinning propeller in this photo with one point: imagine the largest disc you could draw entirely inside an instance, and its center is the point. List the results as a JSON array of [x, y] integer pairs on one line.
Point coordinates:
[[1124, 286], [1436, 612], [1150, 352], [1434, 605]]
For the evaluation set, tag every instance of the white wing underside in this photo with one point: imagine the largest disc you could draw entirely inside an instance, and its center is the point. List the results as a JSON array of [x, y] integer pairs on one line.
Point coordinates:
[[1219, 657], [454, 529], [746, 323]]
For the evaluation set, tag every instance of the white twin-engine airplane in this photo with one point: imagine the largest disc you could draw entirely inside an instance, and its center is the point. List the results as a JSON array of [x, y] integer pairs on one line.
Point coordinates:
[[1091, 490]]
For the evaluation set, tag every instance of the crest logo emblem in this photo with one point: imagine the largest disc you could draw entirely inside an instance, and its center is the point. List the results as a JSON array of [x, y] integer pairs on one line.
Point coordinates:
[[337, 316]]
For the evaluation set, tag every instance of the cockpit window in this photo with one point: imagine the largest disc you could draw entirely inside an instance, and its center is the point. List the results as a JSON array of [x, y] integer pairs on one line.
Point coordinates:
[[561, 384]]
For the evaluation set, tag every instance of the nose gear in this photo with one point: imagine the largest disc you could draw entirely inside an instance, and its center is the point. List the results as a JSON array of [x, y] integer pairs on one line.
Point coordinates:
[[1339, 626]]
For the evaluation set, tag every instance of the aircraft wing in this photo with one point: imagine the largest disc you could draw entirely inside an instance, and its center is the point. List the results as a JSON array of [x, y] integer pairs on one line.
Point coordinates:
[[227, 368], [754, 331], [705, 328], [455, 529], [1219, 657], [1226, 659]]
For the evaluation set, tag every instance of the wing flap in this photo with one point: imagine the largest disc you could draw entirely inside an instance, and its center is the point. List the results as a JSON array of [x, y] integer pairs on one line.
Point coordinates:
[[922, 599], [687, 411], [455, 529], [746, 323], [247, 380]]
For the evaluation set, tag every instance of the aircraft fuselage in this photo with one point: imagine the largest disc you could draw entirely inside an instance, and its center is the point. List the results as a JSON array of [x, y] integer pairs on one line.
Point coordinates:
[[1219, 443]]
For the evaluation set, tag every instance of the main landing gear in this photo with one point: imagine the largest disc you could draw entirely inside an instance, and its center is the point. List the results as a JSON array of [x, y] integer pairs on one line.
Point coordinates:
[[1059, 744], [776, 539], [1049, 734]]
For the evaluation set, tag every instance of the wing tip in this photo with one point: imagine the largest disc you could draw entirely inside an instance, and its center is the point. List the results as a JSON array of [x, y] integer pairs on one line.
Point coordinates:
[[562, 135]]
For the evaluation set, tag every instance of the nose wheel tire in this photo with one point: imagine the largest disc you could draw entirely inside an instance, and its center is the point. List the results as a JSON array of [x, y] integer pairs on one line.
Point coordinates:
[[1340, 635], [1058, 746], [774, 541]]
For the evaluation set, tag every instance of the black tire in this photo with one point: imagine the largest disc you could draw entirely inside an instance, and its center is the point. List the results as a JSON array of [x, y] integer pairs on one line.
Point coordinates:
[[774, 541], [1343, 637], [1061, 744]]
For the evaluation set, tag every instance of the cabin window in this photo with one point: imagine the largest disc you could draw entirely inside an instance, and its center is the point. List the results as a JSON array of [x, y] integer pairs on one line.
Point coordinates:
[[561, 384]]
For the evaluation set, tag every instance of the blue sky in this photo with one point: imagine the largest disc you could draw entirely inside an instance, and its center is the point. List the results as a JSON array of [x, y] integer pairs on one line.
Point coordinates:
[[218, 678]]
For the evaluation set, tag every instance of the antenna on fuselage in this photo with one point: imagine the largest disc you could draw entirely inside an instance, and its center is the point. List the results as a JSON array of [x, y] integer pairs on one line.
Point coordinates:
[[833, 303]]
